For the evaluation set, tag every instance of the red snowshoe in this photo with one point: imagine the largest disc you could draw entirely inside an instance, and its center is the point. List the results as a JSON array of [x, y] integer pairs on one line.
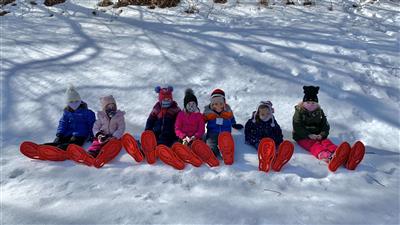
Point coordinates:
[[149, 144], [226, 146], [108, 152], [266, 154], [186, 155], [169, 157], [131, 146], [52, 153], [340, 156], [79, 155], [356, 155], [30, 149], [285, 152], [203, 151]]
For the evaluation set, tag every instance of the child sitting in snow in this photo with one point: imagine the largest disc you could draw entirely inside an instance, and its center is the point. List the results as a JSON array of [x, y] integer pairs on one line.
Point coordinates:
[[110, 123], [163, 116], [189, 124], [75, 126], [263, 124], [219, 118], [262, 127], [311, 130]]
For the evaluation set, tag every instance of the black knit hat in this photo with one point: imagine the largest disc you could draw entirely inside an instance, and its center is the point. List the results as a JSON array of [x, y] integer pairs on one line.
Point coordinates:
[[189, 97], [310, 93]]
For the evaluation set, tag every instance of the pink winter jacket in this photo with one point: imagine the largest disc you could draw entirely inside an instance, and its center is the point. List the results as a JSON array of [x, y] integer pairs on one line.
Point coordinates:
[[189, 124], [114, 126]]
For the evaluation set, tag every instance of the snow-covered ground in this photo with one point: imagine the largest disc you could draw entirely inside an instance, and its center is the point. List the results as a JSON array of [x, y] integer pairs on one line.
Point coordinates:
[[253, 54]]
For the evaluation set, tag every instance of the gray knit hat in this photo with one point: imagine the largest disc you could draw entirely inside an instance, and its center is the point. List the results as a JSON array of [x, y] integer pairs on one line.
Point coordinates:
[[72, 95]]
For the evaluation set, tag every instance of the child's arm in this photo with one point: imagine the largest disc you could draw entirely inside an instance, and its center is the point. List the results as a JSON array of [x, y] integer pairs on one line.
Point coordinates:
[[298, 127], [325, 126], [62, 125], [151, 120], [200, 129], [121, 127], [235, 125], [178, 127], [96, 127], [250, 137], [91, 120], [278, 136]]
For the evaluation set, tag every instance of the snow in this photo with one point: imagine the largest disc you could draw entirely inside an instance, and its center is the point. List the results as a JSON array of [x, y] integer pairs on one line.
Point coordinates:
[[253, 54]]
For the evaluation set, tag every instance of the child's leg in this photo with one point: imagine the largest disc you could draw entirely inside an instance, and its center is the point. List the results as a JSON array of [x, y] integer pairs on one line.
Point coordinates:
[[78, 141], [313, 146], [329, 145], [60, 141], [94, 149], [212, 142]]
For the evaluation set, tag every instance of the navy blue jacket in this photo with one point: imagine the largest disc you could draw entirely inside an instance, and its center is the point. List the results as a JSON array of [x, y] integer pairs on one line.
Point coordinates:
[[162, 122], [255, 131], [77, 123]]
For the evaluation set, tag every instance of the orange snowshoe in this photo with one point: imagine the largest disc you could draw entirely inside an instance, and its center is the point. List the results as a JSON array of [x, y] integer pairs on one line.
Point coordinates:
[[131, 146], [79, 155], [226, 146], [266, 154], [169, 157], [108, 152], [340, 156], [52, 153], [30, 150], [203, 151], [356, 155], [186, 155], [285, 152], [149, 144]]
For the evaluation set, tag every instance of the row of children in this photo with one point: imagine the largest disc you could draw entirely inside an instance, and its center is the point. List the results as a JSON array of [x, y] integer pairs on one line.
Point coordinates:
[[176, 136]]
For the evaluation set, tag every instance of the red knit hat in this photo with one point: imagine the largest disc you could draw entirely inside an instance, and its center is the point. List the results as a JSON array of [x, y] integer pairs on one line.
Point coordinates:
[[164, 93], [218, 93]]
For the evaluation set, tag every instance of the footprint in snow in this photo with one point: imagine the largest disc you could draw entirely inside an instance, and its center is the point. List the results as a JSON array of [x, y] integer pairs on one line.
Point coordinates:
[[16, 173]]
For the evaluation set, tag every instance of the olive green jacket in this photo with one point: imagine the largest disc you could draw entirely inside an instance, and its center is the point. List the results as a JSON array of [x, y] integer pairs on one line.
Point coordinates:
[[306, 123]]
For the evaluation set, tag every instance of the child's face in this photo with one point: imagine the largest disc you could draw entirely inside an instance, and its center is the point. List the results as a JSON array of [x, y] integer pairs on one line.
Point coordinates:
[[111, 107], [218, 106], [263, 112], [310, 105]]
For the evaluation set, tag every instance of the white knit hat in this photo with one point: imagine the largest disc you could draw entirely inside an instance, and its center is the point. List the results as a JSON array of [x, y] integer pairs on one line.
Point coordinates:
[[72, 95]]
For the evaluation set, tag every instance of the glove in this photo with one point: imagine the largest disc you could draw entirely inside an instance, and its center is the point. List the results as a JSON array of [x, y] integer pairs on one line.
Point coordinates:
[[99, 133], [73, 139], [313, 137], [104, 138], [186, 140], [58, 138], [237, 126]]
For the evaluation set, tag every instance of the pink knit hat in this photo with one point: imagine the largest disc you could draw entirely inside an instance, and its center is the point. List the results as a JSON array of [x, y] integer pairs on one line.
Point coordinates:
[[106, 100]]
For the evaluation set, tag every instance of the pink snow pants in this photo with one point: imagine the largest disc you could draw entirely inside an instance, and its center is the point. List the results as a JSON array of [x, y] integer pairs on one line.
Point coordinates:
[[317, 146], [96, 146]]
